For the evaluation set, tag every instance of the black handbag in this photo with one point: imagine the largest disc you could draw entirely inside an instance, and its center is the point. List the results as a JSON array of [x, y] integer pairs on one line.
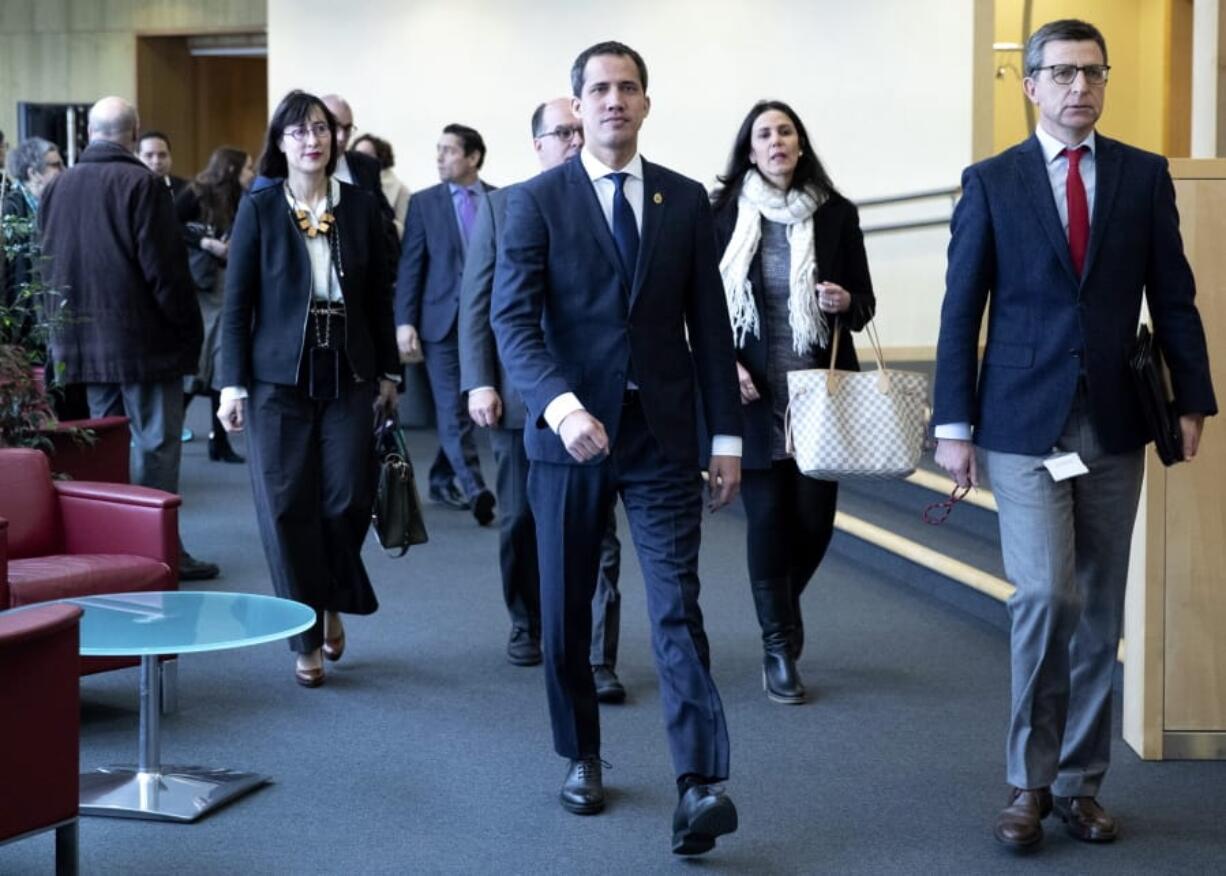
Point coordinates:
[[1153, 391], [398, 520]]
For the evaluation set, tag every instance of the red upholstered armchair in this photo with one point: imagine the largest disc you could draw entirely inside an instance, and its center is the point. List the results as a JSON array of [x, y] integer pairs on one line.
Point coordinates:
[[39, 735], [77, 538]]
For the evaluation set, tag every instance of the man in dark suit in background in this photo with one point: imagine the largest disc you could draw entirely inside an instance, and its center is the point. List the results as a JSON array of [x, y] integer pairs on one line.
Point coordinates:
[[153, 149], [605, 263], [1058, 237], [557, 135], [436, 233], [364, 172]]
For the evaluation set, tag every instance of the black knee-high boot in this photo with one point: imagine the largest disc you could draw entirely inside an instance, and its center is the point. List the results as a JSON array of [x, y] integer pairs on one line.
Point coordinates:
[[773, 600], [219, 443]]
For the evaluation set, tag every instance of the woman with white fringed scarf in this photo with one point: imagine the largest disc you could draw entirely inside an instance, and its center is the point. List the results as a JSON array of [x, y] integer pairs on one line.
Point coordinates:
[[793, 260]]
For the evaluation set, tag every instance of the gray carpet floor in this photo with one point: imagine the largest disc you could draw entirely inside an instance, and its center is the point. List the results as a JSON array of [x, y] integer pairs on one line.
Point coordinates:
[[426, 752]]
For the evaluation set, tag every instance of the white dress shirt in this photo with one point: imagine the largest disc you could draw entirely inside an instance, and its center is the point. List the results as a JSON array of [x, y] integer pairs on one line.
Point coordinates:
[[1057, 175], [598, 172]]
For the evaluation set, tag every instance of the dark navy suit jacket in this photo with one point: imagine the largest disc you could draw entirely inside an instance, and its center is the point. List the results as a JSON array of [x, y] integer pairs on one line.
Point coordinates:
[[1046, 326], [567, 320], [431, 263]]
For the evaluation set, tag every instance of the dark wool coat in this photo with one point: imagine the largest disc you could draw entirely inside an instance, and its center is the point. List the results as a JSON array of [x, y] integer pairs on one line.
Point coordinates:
[[116, 254]]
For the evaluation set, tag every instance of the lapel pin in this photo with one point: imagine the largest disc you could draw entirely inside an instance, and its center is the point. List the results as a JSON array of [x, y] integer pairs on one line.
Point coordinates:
[[657, 198]]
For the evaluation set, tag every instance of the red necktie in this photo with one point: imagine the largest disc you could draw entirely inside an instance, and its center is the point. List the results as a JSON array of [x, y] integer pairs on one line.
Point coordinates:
[[1078, 210]]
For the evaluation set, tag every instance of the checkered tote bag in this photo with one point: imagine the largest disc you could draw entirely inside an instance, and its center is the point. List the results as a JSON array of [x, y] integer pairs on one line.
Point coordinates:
[[852, 424]]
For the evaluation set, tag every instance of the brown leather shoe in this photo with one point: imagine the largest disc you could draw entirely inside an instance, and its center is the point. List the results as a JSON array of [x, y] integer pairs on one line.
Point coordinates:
[[334, 648], [1085, 819], [309, 677], [1019, 824]]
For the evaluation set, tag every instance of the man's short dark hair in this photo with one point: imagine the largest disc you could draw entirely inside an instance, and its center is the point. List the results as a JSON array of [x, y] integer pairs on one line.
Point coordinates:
[[538, 116], [470, 139], [153, 134], [1065, 30], [609, 47]]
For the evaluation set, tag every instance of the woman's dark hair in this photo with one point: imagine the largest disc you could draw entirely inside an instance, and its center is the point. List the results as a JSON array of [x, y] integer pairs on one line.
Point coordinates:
[[218, 187], [383, 150], [809, 171], [294, 109]]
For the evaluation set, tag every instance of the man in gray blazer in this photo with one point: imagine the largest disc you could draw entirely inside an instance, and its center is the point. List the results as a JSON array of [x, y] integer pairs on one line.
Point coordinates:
[[557, 135]]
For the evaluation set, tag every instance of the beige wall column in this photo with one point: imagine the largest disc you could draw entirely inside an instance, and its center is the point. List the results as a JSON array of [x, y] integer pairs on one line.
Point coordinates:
[[1206, 79]]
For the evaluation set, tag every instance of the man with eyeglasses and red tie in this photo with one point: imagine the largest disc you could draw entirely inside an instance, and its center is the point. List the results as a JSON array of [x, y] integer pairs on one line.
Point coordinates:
[[1057, 238]]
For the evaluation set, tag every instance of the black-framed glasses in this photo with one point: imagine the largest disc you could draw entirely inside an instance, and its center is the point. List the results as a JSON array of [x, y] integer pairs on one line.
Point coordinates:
[[562, 132], [1065, 74], [938, 512], [319, 129]]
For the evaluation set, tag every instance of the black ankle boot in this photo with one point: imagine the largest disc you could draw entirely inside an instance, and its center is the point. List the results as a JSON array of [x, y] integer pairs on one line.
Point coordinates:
[[779, 676]]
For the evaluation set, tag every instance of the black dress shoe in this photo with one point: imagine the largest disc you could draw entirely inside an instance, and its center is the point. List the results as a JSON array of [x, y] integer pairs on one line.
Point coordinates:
[[1019, 824], [1085, 819], [583, 791], [523, 649], [609, 688], [448, 495], [703, 813], [192, 569], [220, 449], [483, 508]]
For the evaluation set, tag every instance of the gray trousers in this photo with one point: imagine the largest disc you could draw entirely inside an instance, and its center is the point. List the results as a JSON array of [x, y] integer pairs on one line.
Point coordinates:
[[1066, 549], [155, 415]]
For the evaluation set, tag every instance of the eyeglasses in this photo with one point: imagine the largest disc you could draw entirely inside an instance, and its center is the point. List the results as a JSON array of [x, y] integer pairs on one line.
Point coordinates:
[[938, 512], [1065, 74], [562, 132], [319, 129]]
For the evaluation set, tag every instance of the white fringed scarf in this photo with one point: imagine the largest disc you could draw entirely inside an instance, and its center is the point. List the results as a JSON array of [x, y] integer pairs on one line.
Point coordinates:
[[794, 209]]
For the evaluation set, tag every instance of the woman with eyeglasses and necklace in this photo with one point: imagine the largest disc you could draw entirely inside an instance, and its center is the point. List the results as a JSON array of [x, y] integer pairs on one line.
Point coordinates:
[[308, 360], [794, 272]]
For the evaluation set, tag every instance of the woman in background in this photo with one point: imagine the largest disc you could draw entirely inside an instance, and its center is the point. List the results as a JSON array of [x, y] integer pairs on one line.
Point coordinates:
[[206, 207], [396, 192], [793, 261], [309, 360]]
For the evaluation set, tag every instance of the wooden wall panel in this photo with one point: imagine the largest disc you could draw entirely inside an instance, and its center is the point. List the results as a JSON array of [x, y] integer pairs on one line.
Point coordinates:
[[231, 105], [1195, 568]]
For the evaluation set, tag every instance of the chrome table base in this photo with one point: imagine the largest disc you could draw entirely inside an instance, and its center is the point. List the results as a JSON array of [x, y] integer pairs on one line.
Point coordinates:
[[175, 793], [150, 790]]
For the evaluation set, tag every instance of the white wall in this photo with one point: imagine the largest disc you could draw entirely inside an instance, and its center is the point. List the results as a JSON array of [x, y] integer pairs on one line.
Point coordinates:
[[884, 87]]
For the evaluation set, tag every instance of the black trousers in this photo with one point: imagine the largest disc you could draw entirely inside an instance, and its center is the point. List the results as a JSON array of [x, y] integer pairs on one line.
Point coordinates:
[[663, 502], [517, 556], [313, 474], [790, 523]]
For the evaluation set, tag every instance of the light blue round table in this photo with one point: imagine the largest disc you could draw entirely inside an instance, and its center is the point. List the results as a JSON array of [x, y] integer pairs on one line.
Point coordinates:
[[150, 625]]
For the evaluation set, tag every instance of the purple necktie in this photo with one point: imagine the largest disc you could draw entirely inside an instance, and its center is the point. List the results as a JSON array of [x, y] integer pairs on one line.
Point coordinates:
[[468, 212]]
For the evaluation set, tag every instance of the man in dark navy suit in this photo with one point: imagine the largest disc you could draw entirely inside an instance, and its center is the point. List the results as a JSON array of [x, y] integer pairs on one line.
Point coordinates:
[[436, 233], [1058, 238], [605, 264]]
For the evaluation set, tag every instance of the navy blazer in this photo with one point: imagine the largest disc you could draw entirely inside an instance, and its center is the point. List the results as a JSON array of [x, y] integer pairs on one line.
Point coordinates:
[[838, 246], [431, 263], [1046, 326], [268, 290], [566, 320]]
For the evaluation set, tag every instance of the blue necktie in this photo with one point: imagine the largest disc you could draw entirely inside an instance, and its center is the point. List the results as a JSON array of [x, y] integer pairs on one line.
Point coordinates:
[[625, 229]]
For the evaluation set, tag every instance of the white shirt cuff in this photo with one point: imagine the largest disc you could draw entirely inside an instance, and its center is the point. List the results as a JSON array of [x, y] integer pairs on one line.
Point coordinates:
[[487, 389], [230, 393], [953, 431], [394, 378], [560, 408], [726, 445]]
